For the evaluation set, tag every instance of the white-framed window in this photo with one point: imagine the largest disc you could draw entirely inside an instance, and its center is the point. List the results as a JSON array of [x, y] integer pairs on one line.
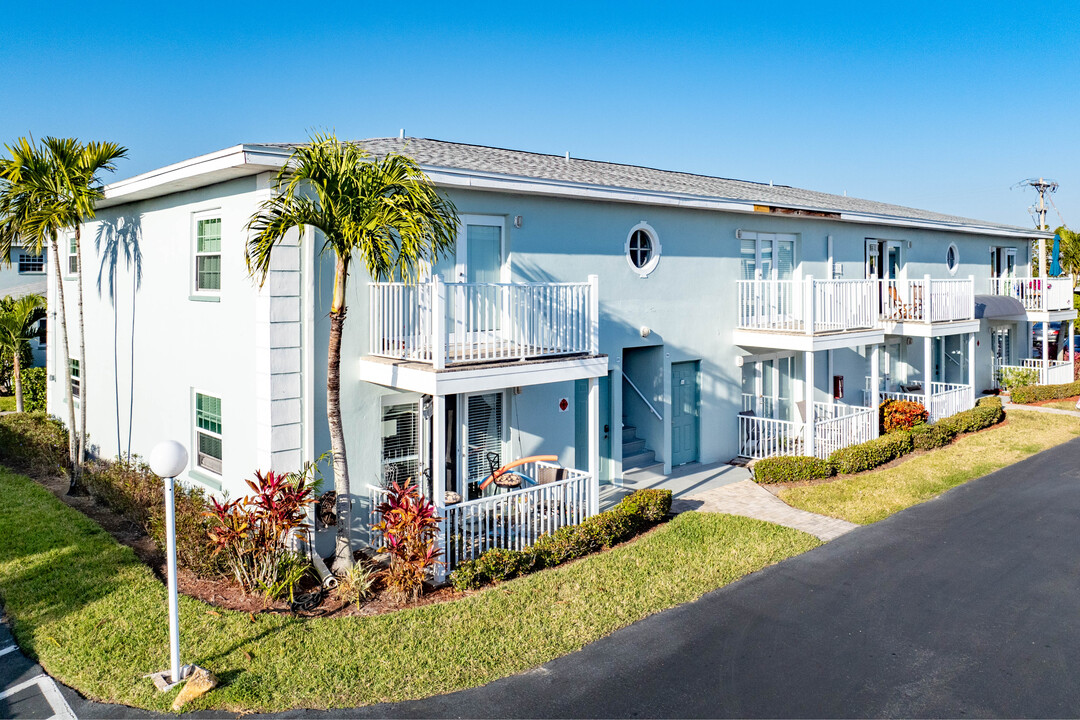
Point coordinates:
[[73, 256], [401, 428], [208, 431], [952, 259], [766, 256], [31, 263], [76, 378], [642, 249], [207, 253]]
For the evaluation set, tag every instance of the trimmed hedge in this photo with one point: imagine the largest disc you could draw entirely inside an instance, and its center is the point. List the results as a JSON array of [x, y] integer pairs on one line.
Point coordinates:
[[1038, 393], [33, 443], [988, 400], [929, 437], [791, 468], [871, 454], [632, 515], [33, 387], [978, 418]]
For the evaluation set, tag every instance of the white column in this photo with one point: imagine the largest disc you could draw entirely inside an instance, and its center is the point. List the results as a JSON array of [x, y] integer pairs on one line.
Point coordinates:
[[971, 366], [1045, 371], [808, 416], [875, 381], [1042, 263], [928, 369], [808, 304], [1069, 351], [594, 314], [594, 445], [438, 324], [927, 298], [438, 470]]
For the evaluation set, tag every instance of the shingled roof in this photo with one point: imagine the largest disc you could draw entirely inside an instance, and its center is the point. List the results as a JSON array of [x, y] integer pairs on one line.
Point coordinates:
[[517, 163]]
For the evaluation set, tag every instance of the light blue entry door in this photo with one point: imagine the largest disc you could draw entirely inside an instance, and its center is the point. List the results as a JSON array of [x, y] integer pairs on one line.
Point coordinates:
[[684, 412]]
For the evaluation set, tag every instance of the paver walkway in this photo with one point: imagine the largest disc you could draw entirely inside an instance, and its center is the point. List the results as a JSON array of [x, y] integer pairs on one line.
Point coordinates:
[[749, 499]]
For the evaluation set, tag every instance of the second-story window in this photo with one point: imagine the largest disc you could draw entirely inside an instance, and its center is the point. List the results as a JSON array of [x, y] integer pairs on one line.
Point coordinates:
[[208, 255], [952, 259], [73, 256], [642, 249]]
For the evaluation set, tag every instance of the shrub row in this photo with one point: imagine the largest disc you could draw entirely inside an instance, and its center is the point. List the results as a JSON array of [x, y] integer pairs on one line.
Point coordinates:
[[790, 468], [879, 451], [631, 516], [132, 490], [33, 443], [1038, 393]]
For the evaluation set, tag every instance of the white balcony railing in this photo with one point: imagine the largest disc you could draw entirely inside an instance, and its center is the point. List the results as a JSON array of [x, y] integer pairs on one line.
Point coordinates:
[[835, 426], [945, 399], [822, 306], [512, 520], [1036, 294], [1049, 372], [443, 323]]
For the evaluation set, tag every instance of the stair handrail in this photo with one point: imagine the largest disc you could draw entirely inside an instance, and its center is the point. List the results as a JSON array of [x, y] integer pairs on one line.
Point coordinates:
[[643, 398]]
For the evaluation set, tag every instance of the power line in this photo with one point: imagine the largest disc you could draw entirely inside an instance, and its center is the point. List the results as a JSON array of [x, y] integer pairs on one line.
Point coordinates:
[[1045, 188]]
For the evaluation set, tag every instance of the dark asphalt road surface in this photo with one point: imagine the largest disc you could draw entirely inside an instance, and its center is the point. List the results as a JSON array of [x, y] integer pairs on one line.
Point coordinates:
[[963, 606]]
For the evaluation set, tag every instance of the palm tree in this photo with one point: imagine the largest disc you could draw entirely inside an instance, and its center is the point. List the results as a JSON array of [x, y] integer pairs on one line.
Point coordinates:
[[14, 335], [386, 213], [49, 188]]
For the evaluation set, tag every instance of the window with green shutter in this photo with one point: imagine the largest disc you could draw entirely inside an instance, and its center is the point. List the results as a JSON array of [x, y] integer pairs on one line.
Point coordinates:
[[208, 432], [208, 255]]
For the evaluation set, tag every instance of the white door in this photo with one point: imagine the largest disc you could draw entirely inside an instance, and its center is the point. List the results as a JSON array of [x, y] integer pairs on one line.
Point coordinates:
[[475, 303]]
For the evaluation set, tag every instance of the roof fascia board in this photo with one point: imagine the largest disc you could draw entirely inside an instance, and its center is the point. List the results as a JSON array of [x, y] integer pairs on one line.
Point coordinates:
[[205, 170], [455, 177]]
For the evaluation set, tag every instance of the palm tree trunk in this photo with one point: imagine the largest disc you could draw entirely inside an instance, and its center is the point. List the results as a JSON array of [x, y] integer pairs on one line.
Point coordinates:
[[343, 556], [62, 322], [18, 382], [82, 355]]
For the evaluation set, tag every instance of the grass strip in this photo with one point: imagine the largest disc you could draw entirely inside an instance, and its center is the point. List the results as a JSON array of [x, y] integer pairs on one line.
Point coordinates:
[[874, 495], [95, 617]]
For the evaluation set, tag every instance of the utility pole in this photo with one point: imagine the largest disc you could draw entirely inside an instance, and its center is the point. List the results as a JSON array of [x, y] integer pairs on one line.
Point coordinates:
[[1044, 188]]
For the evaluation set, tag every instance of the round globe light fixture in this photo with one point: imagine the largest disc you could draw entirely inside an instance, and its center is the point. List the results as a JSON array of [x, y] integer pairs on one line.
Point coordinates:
[[168, 459]]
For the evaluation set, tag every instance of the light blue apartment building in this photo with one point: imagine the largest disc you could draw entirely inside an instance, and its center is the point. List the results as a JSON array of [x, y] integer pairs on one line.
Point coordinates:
[[618, 318]]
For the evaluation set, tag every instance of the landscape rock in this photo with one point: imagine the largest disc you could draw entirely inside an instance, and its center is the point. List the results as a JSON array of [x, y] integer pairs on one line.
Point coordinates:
[[201, 682]]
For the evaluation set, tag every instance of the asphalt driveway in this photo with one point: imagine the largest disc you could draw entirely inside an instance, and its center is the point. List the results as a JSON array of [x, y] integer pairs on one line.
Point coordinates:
[[967, 605]]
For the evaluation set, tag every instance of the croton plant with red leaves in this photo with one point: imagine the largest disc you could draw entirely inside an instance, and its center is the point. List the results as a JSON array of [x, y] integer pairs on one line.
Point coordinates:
[[409, 527]]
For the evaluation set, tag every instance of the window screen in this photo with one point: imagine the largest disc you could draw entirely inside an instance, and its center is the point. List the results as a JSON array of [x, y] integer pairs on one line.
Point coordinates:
[[485, 422], [208, 254], [208, 432], [401, 442]]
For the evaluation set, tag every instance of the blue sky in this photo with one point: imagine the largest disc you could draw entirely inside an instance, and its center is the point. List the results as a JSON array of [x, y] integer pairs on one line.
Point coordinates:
[[941, 106]]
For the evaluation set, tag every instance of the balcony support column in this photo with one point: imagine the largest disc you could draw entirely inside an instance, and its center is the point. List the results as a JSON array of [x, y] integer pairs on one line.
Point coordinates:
[[438, 471], [971, 366], [594, 445], [1044, 372], [808, 415], [1069, 349], [875, 383], [438, 323], [928, 370], [928, 295]]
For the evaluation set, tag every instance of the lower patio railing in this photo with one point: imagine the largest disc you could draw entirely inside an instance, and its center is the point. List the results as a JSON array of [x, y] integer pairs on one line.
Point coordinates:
[[762, 437], [945, 399], [512, 520], [1050, 372], [838, 426]]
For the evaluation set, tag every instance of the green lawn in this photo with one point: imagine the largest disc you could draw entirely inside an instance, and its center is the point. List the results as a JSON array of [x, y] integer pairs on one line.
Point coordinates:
[[96, 618], [1061, 404], [874, 495], [7, 403]]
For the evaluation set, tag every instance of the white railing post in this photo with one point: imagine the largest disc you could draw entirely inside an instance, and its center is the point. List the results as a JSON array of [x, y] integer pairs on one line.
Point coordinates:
[[594, 314], [971, 301], [875, 382], [438, 323], [808, 304], [928, 294]]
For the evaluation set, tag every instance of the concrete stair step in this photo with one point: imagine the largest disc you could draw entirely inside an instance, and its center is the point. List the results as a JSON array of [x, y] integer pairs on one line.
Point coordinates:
[[629, 433], [640, 460], [633, 447]]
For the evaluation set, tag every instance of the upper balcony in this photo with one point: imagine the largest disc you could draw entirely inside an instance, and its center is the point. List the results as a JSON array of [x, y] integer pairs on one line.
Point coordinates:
[[424, 334], [1037, 295], [814, 314]]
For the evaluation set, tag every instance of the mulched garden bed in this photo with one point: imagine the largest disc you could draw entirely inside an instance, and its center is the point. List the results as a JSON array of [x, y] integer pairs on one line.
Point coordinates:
[[225, 592]]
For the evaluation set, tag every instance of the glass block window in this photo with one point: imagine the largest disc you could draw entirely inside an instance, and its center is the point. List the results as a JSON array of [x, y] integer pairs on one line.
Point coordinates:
[[75, 378], [73, 256], [208, 432], [208, 254], [31, 263]]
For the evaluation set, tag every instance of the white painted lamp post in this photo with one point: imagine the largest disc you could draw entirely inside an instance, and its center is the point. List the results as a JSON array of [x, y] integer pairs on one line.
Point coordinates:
[[168, 459]]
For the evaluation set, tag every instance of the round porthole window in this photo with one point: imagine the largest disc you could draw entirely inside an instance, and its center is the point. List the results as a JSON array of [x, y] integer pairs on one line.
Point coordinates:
[[642, 249], [952, 258]]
